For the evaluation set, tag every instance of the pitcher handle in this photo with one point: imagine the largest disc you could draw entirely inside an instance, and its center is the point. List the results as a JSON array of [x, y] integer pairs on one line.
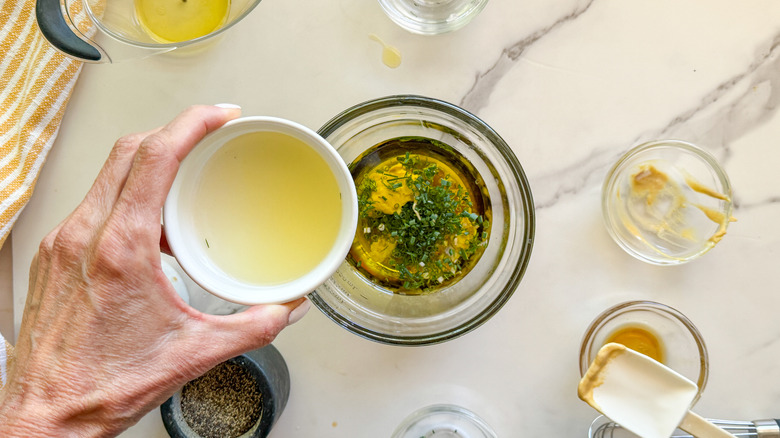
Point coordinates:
[[56, 30]]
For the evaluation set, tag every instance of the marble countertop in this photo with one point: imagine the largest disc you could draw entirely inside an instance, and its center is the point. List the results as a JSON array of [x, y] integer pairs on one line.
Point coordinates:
[[570, 85]]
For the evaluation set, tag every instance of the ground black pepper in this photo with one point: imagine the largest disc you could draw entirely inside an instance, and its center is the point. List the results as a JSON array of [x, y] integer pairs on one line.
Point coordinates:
[[223, 403]]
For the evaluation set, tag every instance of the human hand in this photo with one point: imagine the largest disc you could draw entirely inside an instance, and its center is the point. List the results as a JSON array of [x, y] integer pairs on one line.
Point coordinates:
[[104, 336]]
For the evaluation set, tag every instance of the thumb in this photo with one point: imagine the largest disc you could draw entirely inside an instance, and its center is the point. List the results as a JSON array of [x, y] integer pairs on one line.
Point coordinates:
[[255, 327]]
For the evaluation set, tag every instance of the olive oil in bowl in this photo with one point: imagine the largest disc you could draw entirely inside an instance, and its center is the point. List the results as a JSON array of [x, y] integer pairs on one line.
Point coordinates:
[[424, 216], [269, 208]]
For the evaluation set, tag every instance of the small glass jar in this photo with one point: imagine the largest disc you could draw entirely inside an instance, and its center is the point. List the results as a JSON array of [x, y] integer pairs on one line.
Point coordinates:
[[430, 17], [443, 421]]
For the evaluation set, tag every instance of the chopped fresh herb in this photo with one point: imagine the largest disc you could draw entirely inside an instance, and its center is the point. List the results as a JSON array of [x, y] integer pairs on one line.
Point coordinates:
[[414, 210], [207, 243]]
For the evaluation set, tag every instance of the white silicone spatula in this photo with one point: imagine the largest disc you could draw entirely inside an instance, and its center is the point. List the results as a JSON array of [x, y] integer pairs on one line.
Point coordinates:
[[643, 395]]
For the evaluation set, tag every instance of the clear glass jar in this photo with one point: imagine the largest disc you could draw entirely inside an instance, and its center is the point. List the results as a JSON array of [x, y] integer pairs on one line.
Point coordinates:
[[443, 421], [430, 17]]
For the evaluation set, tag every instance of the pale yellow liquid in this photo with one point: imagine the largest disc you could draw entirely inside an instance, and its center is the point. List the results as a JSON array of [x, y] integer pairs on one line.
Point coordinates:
[[391, 56], [269, 208], [171, 21]]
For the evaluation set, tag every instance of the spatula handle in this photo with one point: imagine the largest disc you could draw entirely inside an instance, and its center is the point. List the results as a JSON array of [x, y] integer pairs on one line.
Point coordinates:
[[701, 428], [767, 428]]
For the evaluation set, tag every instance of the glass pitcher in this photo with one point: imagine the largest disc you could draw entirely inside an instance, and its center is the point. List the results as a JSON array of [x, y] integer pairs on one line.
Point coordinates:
[[115, 30]]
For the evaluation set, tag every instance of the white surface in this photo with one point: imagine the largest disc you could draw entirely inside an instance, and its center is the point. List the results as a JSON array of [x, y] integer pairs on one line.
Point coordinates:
[[570, 85]]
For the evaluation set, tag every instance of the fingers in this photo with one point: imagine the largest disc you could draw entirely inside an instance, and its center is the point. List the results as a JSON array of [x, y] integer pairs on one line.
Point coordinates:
[[39, 268], [141, 168], [158, 156], [299, 312], [254, 328], [111, 179]]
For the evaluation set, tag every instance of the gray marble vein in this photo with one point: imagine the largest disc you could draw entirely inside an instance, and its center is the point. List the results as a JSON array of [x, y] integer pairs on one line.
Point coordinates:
[[752, 107], [728, 119], [756, 204], [478, 95]]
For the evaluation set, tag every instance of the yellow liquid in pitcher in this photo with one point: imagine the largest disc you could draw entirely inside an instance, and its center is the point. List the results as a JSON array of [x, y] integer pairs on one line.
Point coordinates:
[[269, 208], [172, 21]]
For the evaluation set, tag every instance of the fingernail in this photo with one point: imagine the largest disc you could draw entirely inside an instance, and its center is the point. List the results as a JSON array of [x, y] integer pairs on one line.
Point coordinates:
[[298, 312], [228, 106]]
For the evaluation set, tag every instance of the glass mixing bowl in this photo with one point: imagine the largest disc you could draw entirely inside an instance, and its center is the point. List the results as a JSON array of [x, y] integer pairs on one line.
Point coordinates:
[[363, 307]]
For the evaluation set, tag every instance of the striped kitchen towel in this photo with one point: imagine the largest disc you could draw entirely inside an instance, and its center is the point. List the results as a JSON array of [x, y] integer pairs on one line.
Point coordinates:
[[35, 84], [6, 356]]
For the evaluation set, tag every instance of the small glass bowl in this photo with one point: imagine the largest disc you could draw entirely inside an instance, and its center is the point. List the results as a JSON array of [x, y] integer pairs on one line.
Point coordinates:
[[356, 303], [443, 421], [431, 17], [683, 346], [667, 202]]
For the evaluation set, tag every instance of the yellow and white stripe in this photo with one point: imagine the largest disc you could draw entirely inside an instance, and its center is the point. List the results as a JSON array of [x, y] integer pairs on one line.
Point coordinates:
[[5, 352], [35, 84]]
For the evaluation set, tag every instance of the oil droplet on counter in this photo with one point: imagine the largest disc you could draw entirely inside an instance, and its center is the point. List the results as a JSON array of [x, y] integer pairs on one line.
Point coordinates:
[[639, 339], [391, 56]]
